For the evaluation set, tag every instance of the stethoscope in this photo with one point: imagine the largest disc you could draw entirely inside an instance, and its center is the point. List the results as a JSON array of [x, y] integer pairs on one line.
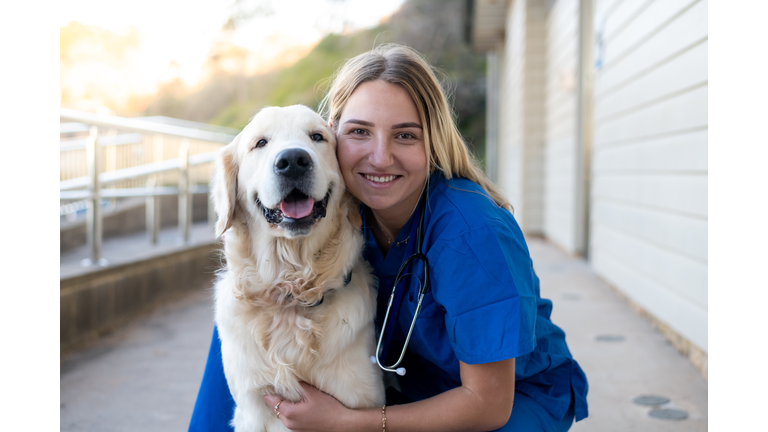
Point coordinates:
[[424, 286]]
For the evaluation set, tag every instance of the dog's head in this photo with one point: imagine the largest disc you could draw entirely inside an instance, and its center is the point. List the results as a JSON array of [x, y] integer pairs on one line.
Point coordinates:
[[281, 170]]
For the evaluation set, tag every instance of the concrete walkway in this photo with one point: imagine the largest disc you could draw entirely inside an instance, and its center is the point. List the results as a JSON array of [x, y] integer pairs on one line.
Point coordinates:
[[621, 354], [145, 376]]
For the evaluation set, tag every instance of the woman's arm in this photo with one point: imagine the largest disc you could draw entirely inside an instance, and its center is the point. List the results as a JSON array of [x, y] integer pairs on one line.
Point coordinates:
[[482, 403]]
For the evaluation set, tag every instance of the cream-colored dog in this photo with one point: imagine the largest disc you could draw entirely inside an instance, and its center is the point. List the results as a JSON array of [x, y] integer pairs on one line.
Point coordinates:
[[295, 302]]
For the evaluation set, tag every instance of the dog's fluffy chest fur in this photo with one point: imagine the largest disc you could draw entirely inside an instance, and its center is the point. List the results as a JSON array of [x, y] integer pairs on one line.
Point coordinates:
[[285, 342], [271, 341]]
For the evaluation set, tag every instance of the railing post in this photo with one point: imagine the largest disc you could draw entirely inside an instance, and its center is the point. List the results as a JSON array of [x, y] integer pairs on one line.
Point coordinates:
[[185, 198], [93, 218], [110, 159], [153, 212]]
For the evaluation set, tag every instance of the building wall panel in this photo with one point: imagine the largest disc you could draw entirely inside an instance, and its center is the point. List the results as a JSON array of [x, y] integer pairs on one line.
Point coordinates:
[[677, 113], [679, 74], [684, 276], [688, 29], [534, 123], [648, 20], [559, 166], [510, 173], [649, 204], [622, 13], [679, 152], [677, 233], [522, 113], [686, 318], [679, 193], [603, 8]]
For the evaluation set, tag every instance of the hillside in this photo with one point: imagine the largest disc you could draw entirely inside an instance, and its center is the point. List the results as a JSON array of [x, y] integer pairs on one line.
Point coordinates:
[[433, 27]]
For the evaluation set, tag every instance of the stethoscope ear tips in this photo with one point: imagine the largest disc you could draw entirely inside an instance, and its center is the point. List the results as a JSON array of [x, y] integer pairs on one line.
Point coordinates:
[[401, 371], [373, 359]]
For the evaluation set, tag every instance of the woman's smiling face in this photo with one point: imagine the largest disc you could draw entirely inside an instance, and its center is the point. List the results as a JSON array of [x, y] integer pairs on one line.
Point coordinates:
[[381, 149]]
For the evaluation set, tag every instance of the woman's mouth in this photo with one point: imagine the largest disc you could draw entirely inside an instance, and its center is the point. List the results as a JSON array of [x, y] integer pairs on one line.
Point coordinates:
[[380, 179]]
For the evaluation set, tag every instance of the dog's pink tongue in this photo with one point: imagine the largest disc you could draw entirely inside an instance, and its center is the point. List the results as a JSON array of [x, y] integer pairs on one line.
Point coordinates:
[[297, 209]]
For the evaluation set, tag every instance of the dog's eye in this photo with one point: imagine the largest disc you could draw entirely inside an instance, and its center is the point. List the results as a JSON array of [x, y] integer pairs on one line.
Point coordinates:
[[316, 137], [260, 143]]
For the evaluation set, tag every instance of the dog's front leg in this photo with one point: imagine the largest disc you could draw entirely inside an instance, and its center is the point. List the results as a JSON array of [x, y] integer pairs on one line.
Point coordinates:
[[253, 415], [286, 384]]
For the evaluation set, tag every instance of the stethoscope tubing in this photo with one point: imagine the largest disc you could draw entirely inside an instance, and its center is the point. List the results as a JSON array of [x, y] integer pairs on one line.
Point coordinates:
[[394, 367], [418, 255]]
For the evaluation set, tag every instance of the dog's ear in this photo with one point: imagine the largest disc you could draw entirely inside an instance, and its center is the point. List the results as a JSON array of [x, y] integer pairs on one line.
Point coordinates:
[[353, 210], [225, 187]]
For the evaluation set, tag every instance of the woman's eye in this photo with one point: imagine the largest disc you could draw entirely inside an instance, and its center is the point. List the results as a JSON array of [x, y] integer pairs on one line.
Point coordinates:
[[405, 135], [316, 137], [260, 143], [357, 131]]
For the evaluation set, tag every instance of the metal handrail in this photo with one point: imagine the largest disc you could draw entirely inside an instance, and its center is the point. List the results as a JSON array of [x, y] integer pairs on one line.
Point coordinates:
[[95, 178], [78, 195], [104, 141], [143, 126], [137, 171]]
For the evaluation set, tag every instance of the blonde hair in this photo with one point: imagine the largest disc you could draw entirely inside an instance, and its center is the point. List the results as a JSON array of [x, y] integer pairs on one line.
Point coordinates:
[[402, 65]]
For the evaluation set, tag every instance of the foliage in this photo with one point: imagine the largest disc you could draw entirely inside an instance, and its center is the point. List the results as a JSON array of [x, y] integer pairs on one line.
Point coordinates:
[[433, 27]]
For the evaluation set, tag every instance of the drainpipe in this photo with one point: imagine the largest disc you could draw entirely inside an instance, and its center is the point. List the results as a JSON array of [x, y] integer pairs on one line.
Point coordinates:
[[492, 116], [584, 128]]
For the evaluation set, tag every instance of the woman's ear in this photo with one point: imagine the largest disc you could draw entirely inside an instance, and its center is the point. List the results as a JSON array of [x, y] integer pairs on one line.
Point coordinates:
[[225, 187]]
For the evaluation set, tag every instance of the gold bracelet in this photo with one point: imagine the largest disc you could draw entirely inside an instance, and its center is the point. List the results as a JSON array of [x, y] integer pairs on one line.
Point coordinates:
[[384, 418]]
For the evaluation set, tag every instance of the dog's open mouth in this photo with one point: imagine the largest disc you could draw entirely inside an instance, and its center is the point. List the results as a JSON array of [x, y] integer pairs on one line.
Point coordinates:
[[296, 207]]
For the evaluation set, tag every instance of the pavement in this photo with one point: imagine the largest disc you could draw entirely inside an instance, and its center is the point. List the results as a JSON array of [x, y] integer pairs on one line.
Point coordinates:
[[620, 352], [145, 376]]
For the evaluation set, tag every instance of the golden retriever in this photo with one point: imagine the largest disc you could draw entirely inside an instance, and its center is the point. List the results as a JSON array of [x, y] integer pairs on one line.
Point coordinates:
[[296, 300]]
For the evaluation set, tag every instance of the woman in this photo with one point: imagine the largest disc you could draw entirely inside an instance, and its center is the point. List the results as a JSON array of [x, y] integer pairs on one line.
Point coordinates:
[[483, 354]]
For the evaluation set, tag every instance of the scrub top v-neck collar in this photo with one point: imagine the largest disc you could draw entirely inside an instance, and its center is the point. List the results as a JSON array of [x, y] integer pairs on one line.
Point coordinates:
[[397, 246]]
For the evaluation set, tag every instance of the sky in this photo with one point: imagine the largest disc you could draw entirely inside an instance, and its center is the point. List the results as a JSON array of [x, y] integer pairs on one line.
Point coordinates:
[[184, 30]]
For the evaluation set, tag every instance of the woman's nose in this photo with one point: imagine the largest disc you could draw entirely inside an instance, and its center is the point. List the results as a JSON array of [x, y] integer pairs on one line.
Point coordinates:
[[381, 156]]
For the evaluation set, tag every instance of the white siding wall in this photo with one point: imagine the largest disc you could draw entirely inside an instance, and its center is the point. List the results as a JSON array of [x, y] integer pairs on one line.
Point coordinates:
[[560, 150], [535, 106], [510, 171], [522, 112], [649, 166]]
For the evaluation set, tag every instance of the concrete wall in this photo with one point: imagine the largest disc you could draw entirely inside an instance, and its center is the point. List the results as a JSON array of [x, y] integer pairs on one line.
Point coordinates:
[[649, 166], [100, 300], [522, 116], [561, 145]]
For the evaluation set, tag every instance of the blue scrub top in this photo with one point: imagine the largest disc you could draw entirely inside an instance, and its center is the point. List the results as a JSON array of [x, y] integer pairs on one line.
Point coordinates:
[[483, 306]]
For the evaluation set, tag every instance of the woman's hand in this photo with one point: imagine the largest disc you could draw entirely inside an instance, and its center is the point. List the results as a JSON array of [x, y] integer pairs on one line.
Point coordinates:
[[317, 411]]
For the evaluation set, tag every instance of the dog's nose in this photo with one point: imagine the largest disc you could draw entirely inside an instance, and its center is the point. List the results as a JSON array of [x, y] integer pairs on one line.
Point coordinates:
[[293, 163]]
